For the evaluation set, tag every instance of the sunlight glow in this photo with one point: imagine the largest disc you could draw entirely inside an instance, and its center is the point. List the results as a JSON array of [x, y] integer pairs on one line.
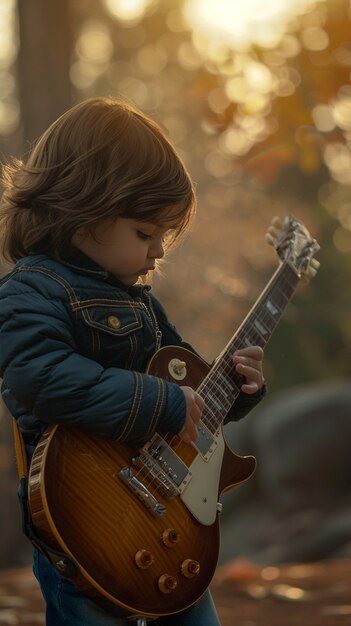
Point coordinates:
[[94, 43], [338, 159], [8, 46], [241, 23], [9, 105], [127, 10], [94, 49]]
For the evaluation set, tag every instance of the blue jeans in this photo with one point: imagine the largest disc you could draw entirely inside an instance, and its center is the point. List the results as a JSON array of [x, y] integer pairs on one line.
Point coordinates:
[[67, 606]]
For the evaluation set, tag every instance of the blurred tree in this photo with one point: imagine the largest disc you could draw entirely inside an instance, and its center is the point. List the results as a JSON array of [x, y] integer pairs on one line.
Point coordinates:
[[281, 114], [44, 91], [45, 51]]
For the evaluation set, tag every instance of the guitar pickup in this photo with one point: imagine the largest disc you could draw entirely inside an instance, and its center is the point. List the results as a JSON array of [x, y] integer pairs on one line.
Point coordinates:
[[165, 460], [164, 485], [205, 443]]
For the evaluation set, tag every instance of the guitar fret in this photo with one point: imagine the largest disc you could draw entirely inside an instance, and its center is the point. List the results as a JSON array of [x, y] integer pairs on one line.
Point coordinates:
[[269, 321], [211, 421], [226, 385], [253, 337], [219, 392], [210, 398], [260, 327], [271, 308], [247, 342], [231, 390], [218, 400]]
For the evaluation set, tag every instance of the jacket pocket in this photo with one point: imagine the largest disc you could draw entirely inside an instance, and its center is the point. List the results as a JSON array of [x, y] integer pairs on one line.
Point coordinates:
[[119, 320], [115, 333]]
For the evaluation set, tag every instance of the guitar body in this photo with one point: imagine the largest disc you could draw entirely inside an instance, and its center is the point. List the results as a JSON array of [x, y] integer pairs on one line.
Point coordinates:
[[130, 559]]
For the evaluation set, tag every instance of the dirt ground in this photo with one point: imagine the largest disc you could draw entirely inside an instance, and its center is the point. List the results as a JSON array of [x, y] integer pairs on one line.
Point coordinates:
[[292, 595]]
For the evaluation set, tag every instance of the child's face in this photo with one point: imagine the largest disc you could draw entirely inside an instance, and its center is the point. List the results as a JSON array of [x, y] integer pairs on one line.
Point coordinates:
[[127, 248]]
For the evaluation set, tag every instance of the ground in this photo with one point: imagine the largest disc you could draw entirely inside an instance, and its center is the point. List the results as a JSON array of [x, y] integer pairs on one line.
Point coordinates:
[[316, 594]]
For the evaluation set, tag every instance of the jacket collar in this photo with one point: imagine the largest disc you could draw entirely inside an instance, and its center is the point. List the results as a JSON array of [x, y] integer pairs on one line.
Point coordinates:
[[82, 264]]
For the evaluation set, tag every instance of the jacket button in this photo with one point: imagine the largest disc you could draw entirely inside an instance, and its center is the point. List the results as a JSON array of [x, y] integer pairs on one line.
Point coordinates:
[[113, 322]]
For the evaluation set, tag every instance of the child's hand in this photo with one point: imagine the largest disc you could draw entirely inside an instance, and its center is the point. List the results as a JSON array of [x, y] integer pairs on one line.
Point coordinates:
[[194, 407], [248, 363]]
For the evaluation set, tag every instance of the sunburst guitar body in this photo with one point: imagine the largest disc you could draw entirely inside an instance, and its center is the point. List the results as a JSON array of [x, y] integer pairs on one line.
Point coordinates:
[[150, 557]]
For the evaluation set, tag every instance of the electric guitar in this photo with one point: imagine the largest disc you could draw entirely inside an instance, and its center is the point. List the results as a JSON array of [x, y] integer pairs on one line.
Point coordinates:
[[138, 530]]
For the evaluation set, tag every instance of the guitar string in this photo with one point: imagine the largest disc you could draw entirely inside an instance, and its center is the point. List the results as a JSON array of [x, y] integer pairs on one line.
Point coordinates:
[[214, 415], [212, 385], [225, 368], [241, 340]]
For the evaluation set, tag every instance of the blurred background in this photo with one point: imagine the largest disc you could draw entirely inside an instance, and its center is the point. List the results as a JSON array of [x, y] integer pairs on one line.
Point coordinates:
[[256, 97]]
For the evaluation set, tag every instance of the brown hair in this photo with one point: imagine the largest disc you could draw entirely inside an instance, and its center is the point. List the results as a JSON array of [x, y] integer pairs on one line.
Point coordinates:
[[103, 158]]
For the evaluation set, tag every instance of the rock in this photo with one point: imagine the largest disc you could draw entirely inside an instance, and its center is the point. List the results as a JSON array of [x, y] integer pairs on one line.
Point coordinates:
[[297, 506]]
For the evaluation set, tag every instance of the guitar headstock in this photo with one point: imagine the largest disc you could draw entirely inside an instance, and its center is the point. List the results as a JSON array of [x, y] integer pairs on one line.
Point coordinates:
[[294, 244]]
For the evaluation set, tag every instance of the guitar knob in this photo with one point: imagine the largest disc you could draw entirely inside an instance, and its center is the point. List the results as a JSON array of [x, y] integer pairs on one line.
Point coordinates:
[[143, 558], [167, 583], [190, 568], [177, 369], [170, 537]]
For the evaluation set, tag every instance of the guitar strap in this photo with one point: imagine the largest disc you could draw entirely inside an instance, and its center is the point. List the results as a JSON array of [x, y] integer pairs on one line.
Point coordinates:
[[64, 564], [21, 457]]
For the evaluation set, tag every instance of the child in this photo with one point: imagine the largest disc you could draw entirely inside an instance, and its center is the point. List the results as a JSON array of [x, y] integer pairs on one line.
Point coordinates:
[[86, 220]]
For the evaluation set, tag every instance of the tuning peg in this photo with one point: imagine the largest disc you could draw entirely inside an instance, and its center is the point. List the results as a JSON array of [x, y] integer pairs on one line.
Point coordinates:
[[276, 221], [314, 263], [312, 268], [270, 239], [311, 271], [273, 231], [271, 235]]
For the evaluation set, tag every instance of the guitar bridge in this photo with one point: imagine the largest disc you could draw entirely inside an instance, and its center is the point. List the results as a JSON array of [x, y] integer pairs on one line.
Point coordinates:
[[144, 495]]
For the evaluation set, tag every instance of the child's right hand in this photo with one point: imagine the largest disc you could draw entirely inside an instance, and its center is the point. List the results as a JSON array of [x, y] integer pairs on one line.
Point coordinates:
[[194, 408]]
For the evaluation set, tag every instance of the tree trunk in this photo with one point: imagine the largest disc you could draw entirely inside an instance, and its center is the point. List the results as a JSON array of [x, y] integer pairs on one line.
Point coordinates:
[[46, 38], [45, 92]]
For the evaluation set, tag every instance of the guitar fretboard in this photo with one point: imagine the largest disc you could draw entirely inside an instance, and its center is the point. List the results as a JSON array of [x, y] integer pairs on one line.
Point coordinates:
[[221, 386]]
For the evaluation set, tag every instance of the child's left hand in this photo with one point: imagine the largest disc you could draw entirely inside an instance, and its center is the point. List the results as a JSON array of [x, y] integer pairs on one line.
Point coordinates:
[[248, 363]]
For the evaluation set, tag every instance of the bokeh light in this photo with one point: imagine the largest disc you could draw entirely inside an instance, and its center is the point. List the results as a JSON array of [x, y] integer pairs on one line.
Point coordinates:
[[130, 11], [94, 49], [9, 105], [239, 24]]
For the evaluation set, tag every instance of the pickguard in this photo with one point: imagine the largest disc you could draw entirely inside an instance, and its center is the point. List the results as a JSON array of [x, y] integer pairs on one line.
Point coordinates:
[[201, 493]]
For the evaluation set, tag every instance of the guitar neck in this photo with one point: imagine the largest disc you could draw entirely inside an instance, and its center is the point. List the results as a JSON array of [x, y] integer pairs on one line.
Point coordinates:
[[221, 386]]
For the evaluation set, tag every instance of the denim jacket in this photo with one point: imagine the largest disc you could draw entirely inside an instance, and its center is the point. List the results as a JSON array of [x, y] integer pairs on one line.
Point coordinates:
[[74, 346]]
